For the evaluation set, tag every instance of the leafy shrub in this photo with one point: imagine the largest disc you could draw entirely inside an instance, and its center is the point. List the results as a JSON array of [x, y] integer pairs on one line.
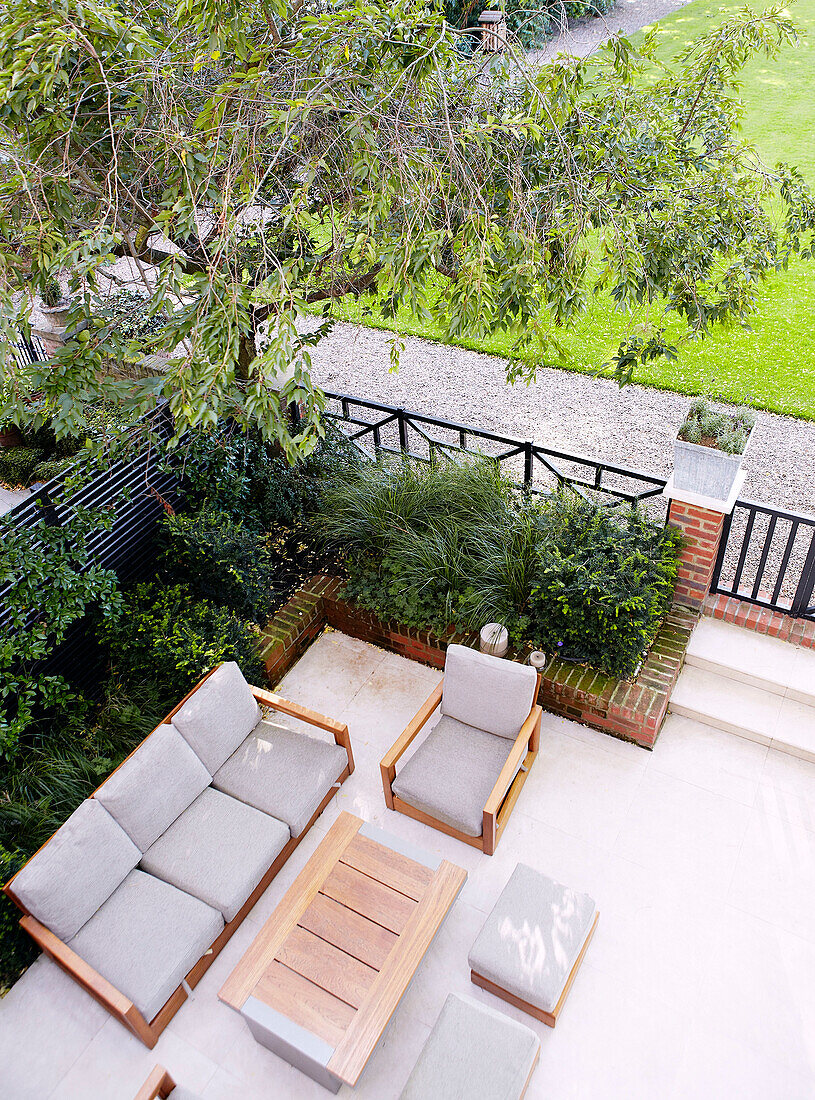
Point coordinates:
[[165, 636], [445, 544], [52, 467], [222, 561], [604, 580], [728, 432], [129, 311], [17, 464]]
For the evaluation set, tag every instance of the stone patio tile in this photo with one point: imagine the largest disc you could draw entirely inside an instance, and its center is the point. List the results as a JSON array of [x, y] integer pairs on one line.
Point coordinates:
[[46, 1022], [388, 699], [774, 879], [795, 729], [581, 789], [330, 673], [787, 788], [758, 989], [677, 827], [116, 1063], [709, 758]]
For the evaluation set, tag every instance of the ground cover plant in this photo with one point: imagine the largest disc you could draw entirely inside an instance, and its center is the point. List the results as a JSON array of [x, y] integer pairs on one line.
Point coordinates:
[[458, 544], [772, 363]]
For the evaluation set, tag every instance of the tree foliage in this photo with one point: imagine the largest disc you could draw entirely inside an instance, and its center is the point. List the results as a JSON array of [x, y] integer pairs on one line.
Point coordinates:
[[260, 159]]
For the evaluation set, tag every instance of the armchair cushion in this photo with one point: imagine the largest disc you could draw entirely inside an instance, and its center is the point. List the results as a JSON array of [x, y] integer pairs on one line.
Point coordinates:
[[79, 868], [159, 781], [218, 716], [283, 773], [146, 937], [487, 692], [451, 774], [531, 939], [217, 850], [473, 1053]]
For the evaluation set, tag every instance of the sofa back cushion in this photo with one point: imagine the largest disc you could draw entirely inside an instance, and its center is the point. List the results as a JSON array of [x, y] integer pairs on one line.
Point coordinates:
[[488, 692], [218, 716], [154, 786], [77, 870]]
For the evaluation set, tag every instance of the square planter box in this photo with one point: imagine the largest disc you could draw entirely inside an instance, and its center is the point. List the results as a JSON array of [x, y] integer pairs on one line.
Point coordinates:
[[705, 470]]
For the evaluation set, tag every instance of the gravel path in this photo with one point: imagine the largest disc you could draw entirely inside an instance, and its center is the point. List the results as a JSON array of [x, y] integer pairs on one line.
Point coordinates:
[[582, 36], [588, 416]]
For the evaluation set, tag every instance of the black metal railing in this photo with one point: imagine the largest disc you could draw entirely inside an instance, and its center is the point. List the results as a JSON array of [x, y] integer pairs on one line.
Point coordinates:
[[767, 557], [392, 430], [27, 351]]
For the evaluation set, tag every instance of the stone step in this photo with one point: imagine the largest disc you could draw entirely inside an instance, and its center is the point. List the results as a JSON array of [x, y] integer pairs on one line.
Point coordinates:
[[755, 659], [741, 708]]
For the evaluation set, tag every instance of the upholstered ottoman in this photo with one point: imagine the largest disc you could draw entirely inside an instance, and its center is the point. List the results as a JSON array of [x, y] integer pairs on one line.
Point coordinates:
[[533, 942], [473, 1053]]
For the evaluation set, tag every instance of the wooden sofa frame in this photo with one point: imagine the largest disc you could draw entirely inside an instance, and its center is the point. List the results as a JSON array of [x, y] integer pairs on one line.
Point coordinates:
[[103, 991], [158, 1085], [504, 794]]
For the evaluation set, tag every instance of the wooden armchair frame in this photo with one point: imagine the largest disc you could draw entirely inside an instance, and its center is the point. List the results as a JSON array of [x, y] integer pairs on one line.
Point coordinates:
[[158, 1085], [100, 989], [507, 787]]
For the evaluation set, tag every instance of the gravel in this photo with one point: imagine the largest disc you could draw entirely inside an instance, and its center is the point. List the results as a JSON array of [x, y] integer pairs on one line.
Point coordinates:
[[582, 36], [583, 415]]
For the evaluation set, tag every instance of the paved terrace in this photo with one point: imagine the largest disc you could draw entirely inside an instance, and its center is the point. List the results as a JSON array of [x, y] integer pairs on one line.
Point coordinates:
[[699, 980]]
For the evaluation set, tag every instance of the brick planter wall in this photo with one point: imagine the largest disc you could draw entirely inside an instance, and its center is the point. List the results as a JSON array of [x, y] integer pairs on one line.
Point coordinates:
[[702, 529], [633, 710], [761, 619]]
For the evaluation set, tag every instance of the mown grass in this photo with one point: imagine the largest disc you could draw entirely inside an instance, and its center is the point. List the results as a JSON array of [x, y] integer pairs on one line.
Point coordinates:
[[772, 366]]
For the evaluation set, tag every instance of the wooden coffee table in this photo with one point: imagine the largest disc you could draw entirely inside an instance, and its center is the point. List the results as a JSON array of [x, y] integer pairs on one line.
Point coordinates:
[[324, 975]]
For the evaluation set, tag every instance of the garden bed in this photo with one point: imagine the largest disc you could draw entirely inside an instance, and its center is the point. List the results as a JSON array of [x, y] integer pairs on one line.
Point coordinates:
[[630, 709]]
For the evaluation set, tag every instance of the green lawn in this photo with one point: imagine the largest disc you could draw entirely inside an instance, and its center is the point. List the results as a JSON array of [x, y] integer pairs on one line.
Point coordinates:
[[773, 366]]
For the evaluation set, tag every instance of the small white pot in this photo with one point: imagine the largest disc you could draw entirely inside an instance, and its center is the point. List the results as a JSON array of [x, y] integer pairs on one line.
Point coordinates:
[[494, 639]]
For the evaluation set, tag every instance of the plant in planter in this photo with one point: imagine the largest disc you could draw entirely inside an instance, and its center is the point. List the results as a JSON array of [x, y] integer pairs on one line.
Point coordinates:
[[709, 448], [53, 300]]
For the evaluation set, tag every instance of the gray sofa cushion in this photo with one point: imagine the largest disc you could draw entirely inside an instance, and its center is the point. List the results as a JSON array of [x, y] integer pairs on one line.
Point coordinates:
[[532, 937], [148, 792], [218, 716], [487, 692], [283, 773], [218, 850], [146, 937], [473, 1053], [451, 774], [77, 870]]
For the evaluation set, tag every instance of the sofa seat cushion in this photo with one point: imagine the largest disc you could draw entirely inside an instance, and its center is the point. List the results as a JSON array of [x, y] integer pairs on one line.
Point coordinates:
[[153, 786], [531, 939], [487, 692], [218, 716], [147, 937], [218, 850], [79, 868], [473, 1053], [283, 773], [451, 774]]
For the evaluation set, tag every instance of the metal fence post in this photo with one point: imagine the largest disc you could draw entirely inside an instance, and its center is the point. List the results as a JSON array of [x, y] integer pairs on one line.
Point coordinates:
[[400, 419], [527, 464], [803, 593]]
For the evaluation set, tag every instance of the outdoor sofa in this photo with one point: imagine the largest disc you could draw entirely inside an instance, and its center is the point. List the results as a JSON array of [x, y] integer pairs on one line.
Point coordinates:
[[465, 777], [136, 894]]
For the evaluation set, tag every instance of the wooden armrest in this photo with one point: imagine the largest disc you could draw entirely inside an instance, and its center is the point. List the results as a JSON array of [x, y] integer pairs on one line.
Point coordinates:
[[387, 764], [76, 966], [158, 1085], [513, 762], [313, 717]]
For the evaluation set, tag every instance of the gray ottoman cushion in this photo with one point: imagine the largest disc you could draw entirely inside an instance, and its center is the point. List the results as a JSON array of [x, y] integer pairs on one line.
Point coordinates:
[[451, 774], [148, 792], [218, 716], [283, 773], [146, 937], [85, 860], [217, 850], [488, 692], [473, 1053], [532, 937]]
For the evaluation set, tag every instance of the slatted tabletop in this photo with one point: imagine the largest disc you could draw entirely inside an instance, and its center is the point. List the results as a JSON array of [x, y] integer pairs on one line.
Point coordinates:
[[335, 957]]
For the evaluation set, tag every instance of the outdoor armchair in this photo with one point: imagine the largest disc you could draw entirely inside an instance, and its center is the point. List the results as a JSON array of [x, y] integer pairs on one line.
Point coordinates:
[[466, 776]]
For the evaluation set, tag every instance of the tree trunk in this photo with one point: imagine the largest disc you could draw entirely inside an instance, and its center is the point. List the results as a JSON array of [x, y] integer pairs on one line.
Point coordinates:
[[246, 354]]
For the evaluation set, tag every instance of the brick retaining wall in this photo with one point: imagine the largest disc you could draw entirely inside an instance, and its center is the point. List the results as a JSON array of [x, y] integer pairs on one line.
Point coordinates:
[[633, 710]]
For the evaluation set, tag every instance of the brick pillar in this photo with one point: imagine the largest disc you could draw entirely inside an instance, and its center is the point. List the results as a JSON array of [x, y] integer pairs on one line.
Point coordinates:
[[702, 529]]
